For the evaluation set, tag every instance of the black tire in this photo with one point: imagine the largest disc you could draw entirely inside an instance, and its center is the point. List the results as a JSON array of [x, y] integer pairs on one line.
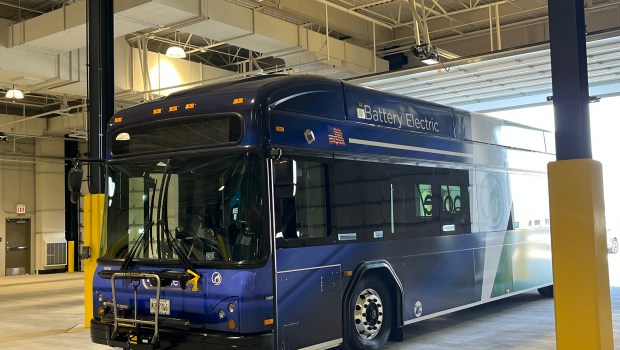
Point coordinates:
[[546, 292], [369, 319]]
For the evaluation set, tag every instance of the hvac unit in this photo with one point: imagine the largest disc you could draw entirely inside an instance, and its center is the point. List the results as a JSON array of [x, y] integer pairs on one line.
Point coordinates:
[[52, 248]]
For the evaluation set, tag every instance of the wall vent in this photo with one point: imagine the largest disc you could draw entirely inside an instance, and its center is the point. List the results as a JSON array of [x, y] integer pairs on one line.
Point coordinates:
[[56, 254]]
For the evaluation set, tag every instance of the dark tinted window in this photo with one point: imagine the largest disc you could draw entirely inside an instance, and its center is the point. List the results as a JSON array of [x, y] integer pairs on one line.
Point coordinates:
[[306, 216], [178, 133], [454, 201], [409, 200], [357, 201]]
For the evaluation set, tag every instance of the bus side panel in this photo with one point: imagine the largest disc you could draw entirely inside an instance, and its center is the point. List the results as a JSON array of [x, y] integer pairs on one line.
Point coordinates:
[[438, 282], [530, 258], [309, 306]]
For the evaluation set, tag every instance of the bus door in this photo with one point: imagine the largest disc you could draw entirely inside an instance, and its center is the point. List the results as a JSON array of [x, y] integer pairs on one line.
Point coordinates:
[[308, 282]]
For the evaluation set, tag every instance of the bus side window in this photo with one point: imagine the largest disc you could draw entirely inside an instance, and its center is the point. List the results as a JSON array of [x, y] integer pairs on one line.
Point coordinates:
[[423, 200], [305, 215], [357, 200], [454, 201], [408, 202]]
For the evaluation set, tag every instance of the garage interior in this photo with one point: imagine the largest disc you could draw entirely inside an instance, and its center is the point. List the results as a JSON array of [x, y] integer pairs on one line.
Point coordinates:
[[489, 55]]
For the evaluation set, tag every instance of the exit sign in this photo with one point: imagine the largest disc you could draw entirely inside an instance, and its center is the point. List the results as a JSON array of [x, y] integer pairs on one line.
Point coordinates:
[[21, 209]]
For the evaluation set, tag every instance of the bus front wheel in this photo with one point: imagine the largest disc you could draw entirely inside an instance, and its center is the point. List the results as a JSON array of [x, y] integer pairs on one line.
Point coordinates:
[[370, 317]]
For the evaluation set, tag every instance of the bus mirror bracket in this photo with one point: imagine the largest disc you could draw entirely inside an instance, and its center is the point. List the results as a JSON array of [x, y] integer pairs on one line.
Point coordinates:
[[75, 175], [74, 181], [285, 177]]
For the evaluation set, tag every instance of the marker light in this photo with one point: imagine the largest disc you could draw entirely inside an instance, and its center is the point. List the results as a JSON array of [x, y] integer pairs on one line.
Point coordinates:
[[231, 324]]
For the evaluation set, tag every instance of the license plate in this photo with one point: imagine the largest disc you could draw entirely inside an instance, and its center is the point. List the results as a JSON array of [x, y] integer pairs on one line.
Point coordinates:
[[164, 306]]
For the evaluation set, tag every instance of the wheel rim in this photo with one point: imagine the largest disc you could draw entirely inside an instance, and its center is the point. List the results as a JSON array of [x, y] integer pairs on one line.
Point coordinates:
[[368, 314]]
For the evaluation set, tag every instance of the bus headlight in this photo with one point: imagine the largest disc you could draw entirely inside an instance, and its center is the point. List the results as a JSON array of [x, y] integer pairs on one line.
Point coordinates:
[[231, 308], [221, 314], [100, 297]]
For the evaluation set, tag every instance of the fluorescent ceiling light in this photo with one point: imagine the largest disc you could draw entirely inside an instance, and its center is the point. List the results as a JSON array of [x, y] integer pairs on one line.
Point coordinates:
[[14, 94], [175, 52]]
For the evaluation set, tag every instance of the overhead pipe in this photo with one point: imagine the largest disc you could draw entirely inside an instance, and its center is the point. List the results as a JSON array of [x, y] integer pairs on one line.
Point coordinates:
[[327, 30], [491, 27], [44, 114], [497, 28]]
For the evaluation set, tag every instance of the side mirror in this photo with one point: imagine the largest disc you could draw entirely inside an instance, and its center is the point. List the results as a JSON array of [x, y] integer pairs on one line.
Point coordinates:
[[74, 181], [286, 178]]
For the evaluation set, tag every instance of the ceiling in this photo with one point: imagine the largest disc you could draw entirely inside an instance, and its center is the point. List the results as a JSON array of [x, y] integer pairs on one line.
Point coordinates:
[[503, 80], [491, 49]]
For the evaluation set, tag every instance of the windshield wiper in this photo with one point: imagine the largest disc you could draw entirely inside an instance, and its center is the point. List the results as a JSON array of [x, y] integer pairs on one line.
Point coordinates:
[[147, 234], [162, 222]]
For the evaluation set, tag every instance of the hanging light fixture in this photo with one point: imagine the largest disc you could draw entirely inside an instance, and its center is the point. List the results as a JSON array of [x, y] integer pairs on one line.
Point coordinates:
[[175, 51], [426, 54], [14, 94]]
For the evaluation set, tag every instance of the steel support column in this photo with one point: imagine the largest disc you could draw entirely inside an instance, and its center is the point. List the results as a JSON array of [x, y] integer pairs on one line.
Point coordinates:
[[100, 27], [580, 271]]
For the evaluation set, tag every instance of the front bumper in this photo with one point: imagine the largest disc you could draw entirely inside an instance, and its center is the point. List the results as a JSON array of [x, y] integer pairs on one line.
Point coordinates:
[[170, 339]]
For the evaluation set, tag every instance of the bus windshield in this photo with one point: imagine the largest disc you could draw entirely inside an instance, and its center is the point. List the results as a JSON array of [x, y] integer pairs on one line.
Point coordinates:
[[206, 208]]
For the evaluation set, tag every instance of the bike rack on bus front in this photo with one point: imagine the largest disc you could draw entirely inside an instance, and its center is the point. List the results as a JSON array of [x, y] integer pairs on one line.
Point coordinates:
[[136, 276]]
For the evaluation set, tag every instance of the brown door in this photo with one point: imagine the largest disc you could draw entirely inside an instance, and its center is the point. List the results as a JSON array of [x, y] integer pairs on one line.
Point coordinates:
[[17, 247]]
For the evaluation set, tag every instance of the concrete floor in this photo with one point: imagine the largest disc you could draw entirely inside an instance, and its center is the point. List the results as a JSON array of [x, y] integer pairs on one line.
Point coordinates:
[[45, 312]]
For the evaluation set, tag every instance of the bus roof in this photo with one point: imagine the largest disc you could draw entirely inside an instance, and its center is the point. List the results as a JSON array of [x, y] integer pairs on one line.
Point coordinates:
[[338, 100]]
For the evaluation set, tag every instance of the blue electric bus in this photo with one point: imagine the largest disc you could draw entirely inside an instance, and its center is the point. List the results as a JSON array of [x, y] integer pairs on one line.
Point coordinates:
[[299, 212]]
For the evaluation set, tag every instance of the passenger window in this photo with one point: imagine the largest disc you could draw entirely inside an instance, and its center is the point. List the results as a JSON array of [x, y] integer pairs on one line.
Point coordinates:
[[408, 202], [454, 201], [357, 200], [305, 215], [424, 200], [451, 199]]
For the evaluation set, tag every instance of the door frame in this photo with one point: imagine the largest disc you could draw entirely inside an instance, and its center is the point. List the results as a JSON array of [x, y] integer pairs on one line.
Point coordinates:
[[28, 223]]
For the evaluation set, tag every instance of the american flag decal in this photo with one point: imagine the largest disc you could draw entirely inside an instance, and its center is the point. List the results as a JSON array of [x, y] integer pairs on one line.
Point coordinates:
[[335, 136]]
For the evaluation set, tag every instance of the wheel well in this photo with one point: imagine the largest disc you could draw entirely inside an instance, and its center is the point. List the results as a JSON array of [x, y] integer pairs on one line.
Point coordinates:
[[383, 271]]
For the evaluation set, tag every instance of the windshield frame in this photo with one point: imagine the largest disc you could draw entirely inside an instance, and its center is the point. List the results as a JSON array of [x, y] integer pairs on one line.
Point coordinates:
[[265, 212]]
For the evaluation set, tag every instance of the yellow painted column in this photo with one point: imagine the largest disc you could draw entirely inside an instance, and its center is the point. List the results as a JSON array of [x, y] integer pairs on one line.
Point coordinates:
[[579, 246], [93, 221], [70, 256]]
